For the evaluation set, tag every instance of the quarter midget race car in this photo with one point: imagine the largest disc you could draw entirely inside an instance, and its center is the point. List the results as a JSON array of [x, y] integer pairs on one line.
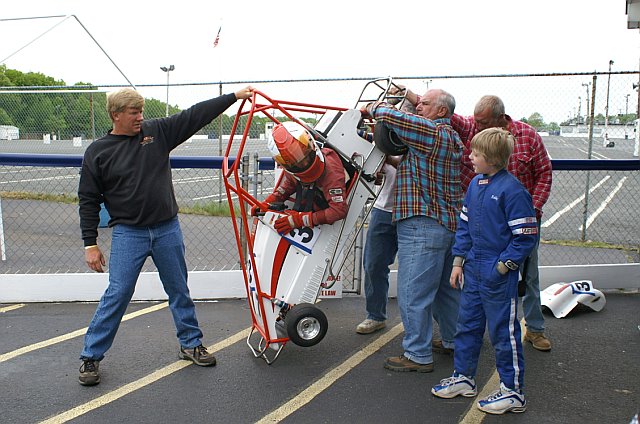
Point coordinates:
[[284, 273]]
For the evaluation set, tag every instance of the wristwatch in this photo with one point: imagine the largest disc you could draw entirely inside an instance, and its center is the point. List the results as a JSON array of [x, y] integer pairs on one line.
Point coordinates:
[[511, 265], [504, 267]]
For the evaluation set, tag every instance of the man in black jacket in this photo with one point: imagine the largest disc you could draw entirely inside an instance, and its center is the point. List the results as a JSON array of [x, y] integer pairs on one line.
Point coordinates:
[[129, 170]]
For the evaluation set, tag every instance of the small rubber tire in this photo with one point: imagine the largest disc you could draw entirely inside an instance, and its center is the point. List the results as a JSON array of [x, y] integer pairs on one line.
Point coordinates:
[[388, 141], [306, 324]]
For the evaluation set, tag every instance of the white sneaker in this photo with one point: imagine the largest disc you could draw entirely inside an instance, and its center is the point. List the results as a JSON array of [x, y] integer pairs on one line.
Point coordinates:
[[503, 400], [369, 326], [456, 385]]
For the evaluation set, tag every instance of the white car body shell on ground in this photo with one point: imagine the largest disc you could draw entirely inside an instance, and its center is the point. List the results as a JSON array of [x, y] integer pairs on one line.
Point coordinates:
[[562, 298]]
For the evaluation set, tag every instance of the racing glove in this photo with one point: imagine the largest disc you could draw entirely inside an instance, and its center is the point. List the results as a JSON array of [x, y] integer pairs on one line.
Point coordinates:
[[259, 209], [295, 219]]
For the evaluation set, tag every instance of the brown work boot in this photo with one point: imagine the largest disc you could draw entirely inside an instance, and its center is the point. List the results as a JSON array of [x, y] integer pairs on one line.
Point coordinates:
[[403, 364], [438, 347], [198, 355], [538, 340]]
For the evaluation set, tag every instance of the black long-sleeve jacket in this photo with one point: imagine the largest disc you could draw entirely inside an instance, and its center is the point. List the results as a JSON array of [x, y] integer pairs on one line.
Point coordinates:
[[132, 174]]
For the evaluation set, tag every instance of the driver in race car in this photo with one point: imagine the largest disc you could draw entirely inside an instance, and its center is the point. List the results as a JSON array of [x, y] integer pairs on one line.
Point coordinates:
[[315, 175]]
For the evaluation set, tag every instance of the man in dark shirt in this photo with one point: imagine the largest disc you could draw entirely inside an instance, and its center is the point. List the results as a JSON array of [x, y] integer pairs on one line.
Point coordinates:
[[128, 169]]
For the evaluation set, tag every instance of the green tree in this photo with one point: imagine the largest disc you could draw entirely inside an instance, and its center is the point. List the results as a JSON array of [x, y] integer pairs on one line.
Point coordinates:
[[627, 118], [31, 79], [4, 79], [536, 121], [5, 119], [599, 119]]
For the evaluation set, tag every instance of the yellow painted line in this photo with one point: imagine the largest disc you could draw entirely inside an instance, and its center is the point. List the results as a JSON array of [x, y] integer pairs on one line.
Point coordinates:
[[11, 308], [316, 388], [140, 383], [26, 349], [474, 415]]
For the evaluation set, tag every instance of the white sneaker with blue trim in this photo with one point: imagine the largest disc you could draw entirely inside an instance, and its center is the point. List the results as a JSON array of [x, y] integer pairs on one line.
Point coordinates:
[[503, 400], [456, 385]]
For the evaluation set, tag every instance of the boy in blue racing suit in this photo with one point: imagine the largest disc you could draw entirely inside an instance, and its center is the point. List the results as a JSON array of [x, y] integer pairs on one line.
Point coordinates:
[[497, 230]]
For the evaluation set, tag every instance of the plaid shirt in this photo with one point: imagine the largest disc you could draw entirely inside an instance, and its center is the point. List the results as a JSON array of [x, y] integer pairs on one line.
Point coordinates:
[[529, 161], [428, 178]]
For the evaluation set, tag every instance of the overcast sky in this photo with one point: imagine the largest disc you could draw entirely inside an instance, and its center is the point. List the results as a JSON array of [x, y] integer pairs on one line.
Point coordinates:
[[263, 40]]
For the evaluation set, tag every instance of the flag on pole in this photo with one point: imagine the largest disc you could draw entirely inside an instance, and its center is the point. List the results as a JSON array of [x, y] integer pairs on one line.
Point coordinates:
[[215, 42]]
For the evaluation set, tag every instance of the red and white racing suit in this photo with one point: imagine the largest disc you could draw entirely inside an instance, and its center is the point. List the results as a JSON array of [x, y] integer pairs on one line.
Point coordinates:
[[331, 185]]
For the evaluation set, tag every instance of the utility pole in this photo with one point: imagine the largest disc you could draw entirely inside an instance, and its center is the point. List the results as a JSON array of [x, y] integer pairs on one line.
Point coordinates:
[[605, 137], [167, 70], [636, 147], [579, 106], [588, 112], [626, 110]]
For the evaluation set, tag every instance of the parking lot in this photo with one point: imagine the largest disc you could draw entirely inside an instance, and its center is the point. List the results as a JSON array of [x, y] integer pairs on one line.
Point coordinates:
[[590, 376]]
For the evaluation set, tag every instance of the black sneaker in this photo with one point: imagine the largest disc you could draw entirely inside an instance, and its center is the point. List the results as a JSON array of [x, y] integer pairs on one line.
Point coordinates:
[[198, 355], [89, 372]]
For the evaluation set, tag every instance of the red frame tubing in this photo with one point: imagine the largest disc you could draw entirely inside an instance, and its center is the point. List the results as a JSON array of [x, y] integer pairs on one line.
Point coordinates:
[[233, 185]]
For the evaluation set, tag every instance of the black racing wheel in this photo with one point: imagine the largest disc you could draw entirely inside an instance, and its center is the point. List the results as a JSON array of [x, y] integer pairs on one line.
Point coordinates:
[[388, 141], [306, 324]]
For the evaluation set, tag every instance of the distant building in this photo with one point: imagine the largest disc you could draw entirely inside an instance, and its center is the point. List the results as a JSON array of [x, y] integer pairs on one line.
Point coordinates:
[[614, 130], [9, 132]]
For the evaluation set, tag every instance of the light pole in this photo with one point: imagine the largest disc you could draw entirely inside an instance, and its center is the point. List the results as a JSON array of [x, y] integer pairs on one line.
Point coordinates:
[[167, 70], [626, 110], [588, 112], [626, 115], [605, 138], [579, 107]]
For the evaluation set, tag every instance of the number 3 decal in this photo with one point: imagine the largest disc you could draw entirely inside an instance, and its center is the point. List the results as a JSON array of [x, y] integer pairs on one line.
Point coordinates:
[[583, 286], [304, 238], [305, 234]]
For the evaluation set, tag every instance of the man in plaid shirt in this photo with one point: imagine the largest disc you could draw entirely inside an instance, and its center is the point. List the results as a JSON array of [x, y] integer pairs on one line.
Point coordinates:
[[530, 163], [427, 203]]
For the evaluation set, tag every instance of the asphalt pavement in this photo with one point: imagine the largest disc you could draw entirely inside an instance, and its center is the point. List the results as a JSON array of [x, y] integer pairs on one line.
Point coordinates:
[[591, 375]]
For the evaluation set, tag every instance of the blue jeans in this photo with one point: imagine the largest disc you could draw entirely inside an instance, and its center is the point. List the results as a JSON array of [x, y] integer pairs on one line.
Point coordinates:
[[380, 250], [531, 306], [130, 247], [424, 293]]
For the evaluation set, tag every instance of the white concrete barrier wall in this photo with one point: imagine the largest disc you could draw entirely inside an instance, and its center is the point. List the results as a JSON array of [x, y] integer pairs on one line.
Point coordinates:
[[20, 288]]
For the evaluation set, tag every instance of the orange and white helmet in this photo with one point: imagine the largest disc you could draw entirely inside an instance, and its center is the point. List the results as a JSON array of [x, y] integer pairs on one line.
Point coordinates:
[[294, 148]]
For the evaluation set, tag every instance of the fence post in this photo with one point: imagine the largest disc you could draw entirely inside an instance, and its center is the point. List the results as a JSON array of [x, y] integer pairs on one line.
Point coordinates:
[[255, 181], [357, 257], [585, 211], [2, 246], [244, 177], [220, 150]]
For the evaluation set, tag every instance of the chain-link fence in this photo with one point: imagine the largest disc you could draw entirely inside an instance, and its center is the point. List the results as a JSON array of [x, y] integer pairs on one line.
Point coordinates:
[[589, 218]]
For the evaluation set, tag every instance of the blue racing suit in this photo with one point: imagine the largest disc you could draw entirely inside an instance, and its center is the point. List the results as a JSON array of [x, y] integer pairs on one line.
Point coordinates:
[[497, 224]]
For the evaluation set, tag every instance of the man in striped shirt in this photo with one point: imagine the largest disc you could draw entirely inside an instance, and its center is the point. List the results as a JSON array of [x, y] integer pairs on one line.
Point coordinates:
[[427, 203]]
